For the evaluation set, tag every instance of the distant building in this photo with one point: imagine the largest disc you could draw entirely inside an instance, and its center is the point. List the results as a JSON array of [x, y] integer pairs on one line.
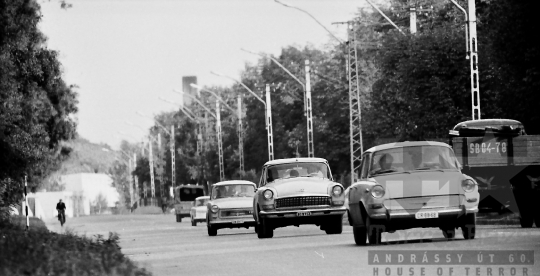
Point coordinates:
[[186, 87], [88, 189], [82, 195]]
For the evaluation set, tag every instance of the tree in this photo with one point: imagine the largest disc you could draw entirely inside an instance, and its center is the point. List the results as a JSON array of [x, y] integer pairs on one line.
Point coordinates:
[[37, 106], [100, 202]]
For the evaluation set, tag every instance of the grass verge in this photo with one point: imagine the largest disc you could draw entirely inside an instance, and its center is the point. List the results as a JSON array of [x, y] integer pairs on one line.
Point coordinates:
[[41, 252]]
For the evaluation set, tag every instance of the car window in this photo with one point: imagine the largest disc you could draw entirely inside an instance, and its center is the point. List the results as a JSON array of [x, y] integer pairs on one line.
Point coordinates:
[[413, 158], [364, 168], [292, 170], [201, 202], [233, 190], [262, 181]]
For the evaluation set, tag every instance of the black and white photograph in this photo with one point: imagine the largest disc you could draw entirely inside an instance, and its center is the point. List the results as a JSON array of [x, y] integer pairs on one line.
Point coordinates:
[[269, 137]]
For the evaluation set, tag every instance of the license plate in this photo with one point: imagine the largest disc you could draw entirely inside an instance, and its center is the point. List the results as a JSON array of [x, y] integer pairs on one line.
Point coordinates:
[[237, 221], [426, 215], [303, 214]]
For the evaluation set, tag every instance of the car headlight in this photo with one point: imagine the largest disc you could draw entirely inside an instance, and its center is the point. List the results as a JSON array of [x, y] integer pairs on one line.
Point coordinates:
[[214, 208], [268, 194], [377, 191], [468, 185], [337, 190]]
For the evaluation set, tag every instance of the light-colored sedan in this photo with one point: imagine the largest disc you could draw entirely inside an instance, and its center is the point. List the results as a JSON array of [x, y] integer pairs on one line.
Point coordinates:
[[409, 185], [230, 206], [198, 211], [298, 191]]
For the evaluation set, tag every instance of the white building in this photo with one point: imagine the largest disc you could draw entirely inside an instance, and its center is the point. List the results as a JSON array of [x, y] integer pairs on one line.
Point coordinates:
[[86, 187]]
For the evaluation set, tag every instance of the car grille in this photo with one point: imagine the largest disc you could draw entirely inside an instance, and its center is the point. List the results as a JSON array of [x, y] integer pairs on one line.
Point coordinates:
[[300, 201], [235, 213]]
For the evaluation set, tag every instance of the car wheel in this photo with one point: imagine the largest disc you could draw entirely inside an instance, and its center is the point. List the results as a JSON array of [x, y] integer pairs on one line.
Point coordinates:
[[212, 231], [256, 228], [526, 222], [469, 226], [449, 233], [335, 226], [178, 218], [265, 230], [193, 222], [374, 231], [360, 235]]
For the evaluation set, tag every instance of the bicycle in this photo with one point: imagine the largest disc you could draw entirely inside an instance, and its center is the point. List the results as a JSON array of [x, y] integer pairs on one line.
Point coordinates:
[[61, 217]]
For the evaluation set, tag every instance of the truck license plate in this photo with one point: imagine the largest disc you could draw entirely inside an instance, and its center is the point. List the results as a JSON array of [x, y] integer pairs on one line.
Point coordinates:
[[303, 214], [426, 215], [237, 221]]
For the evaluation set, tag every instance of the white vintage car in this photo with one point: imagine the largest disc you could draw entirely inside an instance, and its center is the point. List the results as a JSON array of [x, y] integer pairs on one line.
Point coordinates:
[[230, 206], [409, 185], [198, 211], [298, 191]]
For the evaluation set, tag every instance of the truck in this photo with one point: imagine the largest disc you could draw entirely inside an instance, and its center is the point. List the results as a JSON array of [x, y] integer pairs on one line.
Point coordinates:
[[505, 162]]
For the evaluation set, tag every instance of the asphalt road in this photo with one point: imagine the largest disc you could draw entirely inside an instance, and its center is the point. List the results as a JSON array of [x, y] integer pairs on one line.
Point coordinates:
[[166, 247]]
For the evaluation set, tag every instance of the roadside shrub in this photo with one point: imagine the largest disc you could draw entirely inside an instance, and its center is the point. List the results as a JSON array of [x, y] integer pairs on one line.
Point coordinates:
[[41, 252]]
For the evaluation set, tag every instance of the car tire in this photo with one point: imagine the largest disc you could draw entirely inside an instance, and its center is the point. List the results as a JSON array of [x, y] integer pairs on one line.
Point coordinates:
[[256, 228], [178, 218], [374, 231], [468, 228], [449, 233], [360, 235], [335, 226], [193, 222], [265, 230], [526, 222]]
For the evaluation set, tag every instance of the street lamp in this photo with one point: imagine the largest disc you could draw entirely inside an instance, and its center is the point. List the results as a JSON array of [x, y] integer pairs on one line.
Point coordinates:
[[150, 161], [172, 149], [267, 109], [184, 110], [218, 130], [307, 99], [239, 115]]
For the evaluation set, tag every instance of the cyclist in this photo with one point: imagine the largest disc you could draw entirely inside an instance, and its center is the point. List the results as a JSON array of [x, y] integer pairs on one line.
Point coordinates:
[[61, 208]]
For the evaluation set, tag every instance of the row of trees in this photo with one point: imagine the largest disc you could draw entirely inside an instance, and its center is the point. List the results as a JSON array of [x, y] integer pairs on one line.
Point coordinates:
[[414, 85]]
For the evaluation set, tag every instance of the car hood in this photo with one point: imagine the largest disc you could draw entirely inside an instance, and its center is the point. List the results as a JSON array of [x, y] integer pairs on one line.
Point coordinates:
[[301, 186], [421, 183], [233, 202]]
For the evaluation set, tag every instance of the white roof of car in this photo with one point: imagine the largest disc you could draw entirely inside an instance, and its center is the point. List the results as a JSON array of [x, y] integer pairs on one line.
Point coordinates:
[[295, 160], [406, 144], [229, 182], [202, 197]]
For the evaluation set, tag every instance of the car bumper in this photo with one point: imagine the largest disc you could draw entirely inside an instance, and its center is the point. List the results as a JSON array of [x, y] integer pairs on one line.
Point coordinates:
[[239, 222], [294, 213], [408, 214]]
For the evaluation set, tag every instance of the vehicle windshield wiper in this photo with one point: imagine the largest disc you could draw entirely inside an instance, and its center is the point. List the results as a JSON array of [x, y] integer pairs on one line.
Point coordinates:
[[385, 171]]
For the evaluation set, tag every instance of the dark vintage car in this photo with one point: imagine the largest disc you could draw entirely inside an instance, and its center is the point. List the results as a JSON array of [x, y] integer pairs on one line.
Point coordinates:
[[408, 185], [298, 191], [230, 206]]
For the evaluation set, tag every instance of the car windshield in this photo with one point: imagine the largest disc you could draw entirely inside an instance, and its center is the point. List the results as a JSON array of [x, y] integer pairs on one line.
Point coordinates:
[[305, 169], [416, 158], [233, 190], [201, 202]]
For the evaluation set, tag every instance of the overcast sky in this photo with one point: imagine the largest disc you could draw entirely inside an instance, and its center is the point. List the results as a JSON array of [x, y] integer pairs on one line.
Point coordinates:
[[124, 54]]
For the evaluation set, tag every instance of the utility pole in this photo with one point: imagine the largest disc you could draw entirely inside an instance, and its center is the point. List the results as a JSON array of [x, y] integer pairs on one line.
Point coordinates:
[[269, 124], [475, 86], [240, 137], [160, 167], [151, 162], [355, 115], [309, 115], [173, 158], [220, 142]]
